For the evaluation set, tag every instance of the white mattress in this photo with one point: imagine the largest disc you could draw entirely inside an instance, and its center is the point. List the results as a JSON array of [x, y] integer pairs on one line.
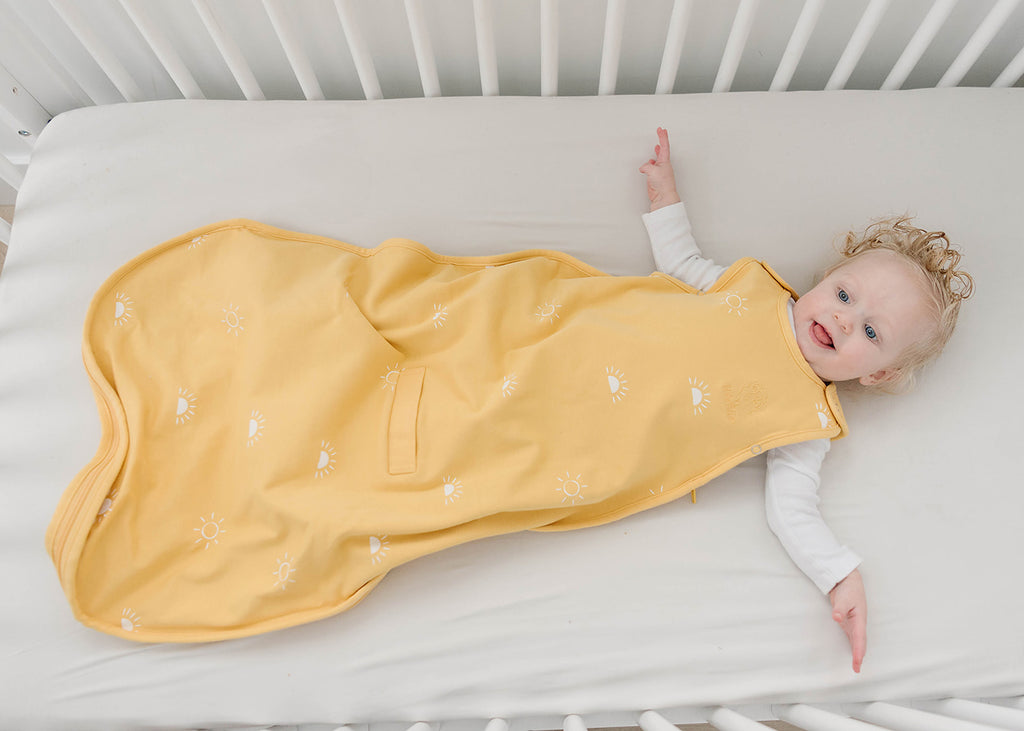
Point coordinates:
[[679, 606]]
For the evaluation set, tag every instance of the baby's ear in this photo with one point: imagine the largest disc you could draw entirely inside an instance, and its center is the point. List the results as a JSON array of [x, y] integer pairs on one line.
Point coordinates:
[[886, 374]]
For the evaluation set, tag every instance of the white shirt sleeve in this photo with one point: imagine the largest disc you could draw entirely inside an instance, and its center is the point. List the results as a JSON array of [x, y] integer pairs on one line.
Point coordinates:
[[791, 484], [675, 250], [791, 503]]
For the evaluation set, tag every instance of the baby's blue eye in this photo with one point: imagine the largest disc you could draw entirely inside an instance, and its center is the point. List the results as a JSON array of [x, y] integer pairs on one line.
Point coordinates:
[[843, 296], [869, 331]]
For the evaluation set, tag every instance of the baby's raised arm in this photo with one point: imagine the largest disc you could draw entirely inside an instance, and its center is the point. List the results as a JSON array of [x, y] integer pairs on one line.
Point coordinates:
[[661, 180]]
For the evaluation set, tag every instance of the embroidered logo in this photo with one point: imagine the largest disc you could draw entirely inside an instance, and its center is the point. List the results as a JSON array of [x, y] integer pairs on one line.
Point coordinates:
[[744, 401]]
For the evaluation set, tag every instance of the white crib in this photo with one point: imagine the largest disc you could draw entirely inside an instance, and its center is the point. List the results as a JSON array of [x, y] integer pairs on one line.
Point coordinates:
[[68, 54]]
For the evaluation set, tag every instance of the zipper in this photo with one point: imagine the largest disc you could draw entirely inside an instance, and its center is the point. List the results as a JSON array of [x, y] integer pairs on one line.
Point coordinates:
[[81, 492]]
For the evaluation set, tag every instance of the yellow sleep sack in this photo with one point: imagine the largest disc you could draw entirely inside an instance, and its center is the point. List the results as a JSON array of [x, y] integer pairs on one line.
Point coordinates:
[[286, 417]]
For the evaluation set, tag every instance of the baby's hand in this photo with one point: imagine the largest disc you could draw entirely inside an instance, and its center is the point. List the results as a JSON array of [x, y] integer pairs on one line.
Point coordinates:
[[661, 181], [850, 610]]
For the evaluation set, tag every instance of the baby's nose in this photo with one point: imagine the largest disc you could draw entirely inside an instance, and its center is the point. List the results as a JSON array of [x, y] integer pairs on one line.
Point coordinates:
[[843, 324]]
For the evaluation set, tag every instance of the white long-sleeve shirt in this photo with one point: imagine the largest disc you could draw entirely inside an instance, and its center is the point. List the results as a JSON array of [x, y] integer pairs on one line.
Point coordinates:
[[792, 481]]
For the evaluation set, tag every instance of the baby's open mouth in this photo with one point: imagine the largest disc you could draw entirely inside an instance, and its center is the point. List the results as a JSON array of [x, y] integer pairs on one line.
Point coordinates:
[[821, 335]]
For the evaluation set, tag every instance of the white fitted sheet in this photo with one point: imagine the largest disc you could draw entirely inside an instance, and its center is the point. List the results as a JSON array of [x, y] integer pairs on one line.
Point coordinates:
[[681, 605]]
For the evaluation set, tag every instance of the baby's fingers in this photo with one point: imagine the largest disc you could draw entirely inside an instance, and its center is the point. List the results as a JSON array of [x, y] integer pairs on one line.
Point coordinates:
[[662, 149], [854, 625]]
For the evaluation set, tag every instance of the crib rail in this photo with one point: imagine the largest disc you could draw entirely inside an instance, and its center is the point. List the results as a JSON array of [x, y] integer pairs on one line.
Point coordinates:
[[939, 715], [66, 57]]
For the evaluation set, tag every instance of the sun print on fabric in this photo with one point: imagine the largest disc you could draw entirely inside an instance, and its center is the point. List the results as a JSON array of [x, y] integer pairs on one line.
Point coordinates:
[[699, 393], [391, 377], [122, 308], [736, 305], [548, 311], [129, 620], [823, 416], [571, 488], [210, 530], [325, 463], [452, 489], [509, 385], [440, 316], [257, 425], [617, 383], [233, 320], [186, 407], [284, 572], [379, 547]]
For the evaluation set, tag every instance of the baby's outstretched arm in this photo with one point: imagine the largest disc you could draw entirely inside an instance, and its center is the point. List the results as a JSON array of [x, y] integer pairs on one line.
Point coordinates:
[[661, 180], [850, 610]]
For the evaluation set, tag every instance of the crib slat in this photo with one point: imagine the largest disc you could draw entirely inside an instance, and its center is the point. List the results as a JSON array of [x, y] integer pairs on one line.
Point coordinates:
[[734, 46], [43, 56], [729, 720], [107, 61], [423, 48], [5, 230], [999, 716], [359, 50], [900, 718], [573, 723], [611, 49], [19, 110], [978, 42], [1012, 72], [922, 38], [292, 45], [483, 17], [797, 44], [10, 174], [858, 42], [810, 718], [164, 50], [673, 46], [549, 47], [230, 52]]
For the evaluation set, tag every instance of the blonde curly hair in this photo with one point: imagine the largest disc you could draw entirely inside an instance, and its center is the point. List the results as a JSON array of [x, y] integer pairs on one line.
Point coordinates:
[[946, 286]]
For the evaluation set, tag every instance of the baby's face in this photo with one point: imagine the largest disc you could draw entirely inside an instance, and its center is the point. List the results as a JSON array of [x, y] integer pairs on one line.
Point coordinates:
[[858, 319]]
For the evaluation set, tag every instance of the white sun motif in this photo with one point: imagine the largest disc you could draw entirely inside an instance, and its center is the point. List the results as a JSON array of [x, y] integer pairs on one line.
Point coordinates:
[[379, 548], [129, 620], [440, 315], [548, 311], [452, 489], [617, 383], [257, 425], [326, 462], [284, 572], [106, 505], [196, 242], [699, 392], [509, 385], [823, 416], [661, 489], [737, 305], [233, 320], [572, 488], [209, 531], [391, 377], [186, 407], [122, 308]]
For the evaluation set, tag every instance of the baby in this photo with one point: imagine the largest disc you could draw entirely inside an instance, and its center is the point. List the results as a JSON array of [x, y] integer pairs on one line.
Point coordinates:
[[876, 317]]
